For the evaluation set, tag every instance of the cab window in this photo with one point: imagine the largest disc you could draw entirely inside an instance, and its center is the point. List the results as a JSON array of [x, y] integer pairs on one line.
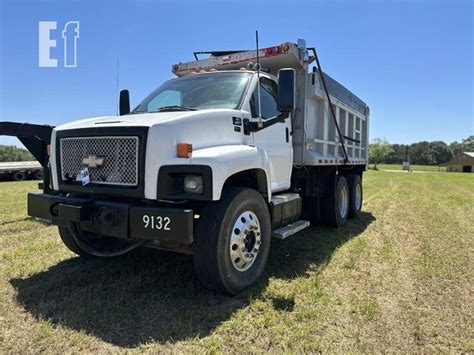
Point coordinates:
[[268, 95], [165, 98]]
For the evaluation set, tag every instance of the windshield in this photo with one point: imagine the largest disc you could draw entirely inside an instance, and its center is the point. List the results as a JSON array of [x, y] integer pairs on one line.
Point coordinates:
[[196, 92]]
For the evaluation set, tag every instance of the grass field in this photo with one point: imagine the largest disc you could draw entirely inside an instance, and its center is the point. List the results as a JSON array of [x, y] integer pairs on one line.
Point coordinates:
[[399, 279], [432, 168]]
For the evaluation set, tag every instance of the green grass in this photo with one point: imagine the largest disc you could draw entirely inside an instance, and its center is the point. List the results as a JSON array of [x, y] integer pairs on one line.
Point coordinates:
[[432, 168], [399, 279]]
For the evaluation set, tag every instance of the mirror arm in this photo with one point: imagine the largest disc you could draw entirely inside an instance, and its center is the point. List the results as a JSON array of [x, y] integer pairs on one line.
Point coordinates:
[[250, 127]]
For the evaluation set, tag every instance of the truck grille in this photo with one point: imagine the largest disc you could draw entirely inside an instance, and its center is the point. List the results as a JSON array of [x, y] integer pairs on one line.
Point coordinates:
[[116, 158]]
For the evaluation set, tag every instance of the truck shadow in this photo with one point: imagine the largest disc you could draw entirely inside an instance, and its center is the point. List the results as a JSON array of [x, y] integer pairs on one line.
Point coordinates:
[[150, 295]]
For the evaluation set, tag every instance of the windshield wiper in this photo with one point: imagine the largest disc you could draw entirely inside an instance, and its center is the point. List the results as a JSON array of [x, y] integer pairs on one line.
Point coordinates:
[[175, 108], [167, 108]]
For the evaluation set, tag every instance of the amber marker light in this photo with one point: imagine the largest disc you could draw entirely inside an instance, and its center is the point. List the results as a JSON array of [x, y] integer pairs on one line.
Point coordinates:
[[184, 150]]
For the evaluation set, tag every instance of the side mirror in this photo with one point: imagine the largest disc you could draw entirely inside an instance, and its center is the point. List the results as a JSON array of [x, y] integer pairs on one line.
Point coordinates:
[[286, 90], [124, 102]]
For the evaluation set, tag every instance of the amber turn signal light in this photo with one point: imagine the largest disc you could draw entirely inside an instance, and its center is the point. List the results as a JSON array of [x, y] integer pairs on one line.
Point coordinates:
[[184, 150]]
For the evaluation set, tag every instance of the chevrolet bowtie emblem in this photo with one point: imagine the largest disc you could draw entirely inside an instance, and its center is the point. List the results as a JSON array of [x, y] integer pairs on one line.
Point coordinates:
[[93, 161]]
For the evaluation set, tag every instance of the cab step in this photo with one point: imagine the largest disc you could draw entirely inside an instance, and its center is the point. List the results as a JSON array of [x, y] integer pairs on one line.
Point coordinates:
[[290, 229]]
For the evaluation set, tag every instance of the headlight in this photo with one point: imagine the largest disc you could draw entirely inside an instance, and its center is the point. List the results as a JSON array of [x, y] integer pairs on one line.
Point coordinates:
[[193, 184]]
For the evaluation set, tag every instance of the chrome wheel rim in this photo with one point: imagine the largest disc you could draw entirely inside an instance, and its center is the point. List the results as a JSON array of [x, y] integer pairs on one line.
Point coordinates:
[[358, 197], [245, 241], [343, 202]]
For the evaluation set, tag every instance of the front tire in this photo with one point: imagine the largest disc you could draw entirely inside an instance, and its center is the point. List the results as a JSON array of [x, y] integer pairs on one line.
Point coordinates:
[[88, 245], [232, 241]]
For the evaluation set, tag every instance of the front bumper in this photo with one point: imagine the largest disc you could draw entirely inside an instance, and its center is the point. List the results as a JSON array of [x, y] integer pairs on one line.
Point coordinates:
[[115, 219]]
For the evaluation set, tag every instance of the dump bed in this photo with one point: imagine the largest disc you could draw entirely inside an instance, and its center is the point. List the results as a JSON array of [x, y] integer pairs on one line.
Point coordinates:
[[316, 140]]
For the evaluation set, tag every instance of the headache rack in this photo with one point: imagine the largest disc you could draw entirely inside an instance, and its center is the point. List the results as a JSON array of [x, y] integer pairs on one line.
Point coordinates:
[[287, 55]]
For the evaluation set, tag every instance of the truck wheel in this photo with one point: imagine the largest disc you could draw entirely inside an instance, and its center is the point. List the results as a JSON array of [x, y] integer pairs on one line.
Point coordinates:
[[232, 241], [336, 206], [89, 245], [19, 176], [38, 175], [356, 195]]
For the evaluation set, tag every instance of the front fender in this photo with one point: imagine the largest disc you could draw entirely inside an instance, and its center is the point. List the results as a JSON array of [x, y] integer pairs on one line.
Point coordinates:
[[226, 161]]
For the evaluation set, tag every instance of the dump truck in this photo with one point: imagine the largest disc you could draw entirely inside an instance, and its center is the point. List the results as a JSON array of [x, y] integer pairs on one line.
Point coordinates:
[[238, 147]]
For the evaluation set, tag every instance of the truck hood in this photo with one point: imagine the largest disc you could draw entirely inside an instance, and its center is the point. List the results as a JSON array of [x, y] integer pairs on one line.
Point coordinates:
[[203, 129], [143, 119]]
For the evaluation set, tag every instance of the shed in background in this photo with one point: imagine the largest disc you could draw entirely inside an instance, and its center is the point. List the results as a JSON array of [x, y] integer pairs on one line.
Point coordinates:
[[461, 163]]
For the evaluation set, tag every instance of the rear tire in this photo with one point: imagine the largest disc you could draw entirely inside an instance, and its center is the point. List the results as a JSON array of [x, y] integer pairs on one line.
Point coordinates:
[[356, 195], [232, 241], [336, 205]]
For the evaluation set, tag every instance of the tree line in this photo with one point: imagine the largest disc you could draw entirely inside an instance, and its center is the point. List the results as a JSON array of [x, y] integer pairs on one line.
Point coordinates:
[[12, 153], [421, 153]]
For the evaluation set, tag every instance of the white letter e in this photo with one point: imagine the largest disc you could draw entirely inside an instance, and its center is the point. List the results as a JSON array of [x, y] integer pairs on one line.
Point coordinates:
[[45, 43]]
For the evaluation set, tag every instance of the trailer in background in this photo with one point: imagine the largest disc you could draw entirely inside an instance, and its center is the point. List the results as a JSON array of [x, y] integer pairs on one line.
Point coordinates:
[[21, 170]]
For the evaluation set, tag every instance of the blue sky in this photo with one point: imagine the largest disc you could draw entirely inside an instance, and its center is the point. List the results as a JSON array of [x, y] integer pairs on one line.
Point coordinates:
[[411, 61]]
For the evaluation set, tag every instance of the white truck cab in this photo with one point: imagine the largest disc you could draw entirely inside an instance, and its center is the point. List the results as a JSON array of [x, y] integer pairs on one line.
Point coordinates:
[[213, 163]]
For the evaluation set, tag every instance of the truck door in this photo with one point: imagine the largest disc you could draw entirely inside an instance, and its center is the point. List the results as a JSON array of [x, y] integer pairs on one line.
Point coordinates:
[[276, 139]]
